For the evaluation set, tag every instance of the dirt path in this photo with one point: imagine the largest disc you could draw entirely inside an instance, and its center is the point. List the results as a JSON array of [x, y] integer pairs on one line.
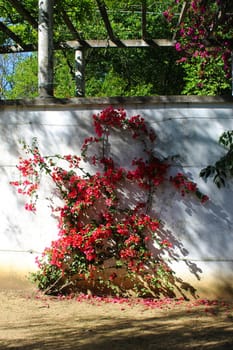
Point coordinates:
[[29, 321]]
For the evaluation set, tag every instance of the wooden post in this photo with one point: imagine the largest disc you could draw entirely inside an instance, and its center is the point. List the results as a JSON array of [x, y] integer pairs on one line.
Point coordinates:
[[45, 48], [79, 73], [144, 9]]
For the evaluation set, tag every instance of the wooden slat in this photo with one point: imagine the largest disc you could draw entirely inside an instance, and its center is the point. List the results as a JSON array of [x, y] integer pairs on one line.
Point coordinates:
[[181, 16], [24, 13], [95, 44], [104, 15], [144, 9], [71, 28], [79, 42], [73, 44], [13, 36]]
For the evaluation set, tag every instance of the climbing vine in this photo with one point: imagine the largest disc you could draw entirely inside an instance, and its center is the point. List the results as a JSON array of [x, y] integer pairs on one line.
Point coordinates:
[[203, 37], [106, 228]]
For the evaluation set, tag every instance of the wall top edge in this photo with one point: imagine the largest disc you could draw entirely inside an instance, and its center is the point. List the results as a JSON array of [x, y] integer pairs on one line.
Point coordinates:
[[103, 101]]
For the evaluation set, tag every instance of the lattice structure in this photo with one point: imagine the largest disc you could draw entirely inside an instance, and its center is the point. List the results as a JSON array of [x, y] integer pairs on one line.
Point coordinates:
[[43, 22]]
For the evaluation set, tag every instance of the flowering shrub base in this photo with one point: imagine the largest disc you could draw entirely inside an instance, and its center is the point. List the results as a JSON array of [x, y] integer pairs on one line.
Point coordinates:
[[102, 284], [104, 237]]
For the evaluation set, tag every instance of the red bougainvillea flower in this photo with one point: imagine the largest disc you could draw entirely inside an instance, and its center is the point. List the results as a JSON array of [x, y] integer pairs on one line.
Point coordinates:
[[102, 226]]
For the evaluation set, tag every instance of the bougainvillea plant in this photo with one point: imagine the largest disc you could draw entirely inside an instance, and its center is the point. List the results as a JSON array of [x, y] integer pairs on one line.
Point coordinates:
[[105, 236], [203, 36]]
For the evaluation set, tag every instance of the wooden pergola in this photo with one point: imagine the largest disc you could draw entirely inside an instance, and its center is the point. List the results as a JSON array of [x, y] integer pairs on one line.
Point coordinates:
[[46, 45]]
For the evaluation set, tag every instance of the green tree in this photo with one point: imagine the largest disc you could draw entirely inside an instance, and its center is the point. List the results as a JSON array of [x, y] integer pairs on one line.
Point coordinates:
[[204, 41], [23, 80], [205, 78], [8, 63], [110, 71], [133, 72]]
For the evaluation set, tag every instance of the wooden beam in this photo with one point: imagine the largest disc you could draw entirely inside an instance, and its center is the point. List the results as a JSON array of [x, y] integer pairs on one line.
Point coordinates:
[[17, 48], [144, 10], [181, 16], [104, 15], [21, 46], [24, 13], [71, 27], [105, 43], [94, 44]]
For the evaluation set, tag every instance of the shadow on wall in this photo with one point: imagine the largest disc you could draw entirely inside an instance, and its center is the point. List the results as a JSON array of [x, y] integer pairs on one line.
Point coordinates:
[[193, 230], [206, 232], [189, 137], [57, 132]]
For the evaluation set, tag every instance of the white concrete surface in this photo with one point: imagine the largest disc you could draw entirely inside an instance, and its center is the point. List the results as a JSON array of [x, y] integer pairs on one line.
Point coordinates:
[[202, 235]]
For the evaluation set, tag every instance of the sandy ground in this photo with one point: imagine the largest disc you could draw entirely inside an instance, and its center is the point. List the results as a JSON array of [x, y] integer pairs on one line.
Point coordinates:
[[29, 320]]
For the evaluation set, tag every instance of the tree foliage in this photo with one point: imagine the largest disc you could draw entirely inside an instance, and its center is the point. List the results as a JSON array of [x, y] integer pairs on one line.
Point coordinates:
[[8, 64], [23, 80], [205, 77], [203, 43], [110, 71], [204, 39], [223, 168]]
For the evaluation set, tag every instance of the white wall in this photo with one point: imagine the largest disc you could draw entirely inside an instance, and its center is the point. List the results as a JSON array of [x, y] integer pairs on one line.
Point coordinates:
[[190, 128]]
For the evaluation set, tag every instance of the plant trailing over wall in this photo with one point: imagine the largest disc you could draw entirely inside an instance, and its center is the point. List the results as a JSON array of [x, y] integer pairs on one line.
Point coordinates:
[[109, 242], [204, 40], [223, 168]]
